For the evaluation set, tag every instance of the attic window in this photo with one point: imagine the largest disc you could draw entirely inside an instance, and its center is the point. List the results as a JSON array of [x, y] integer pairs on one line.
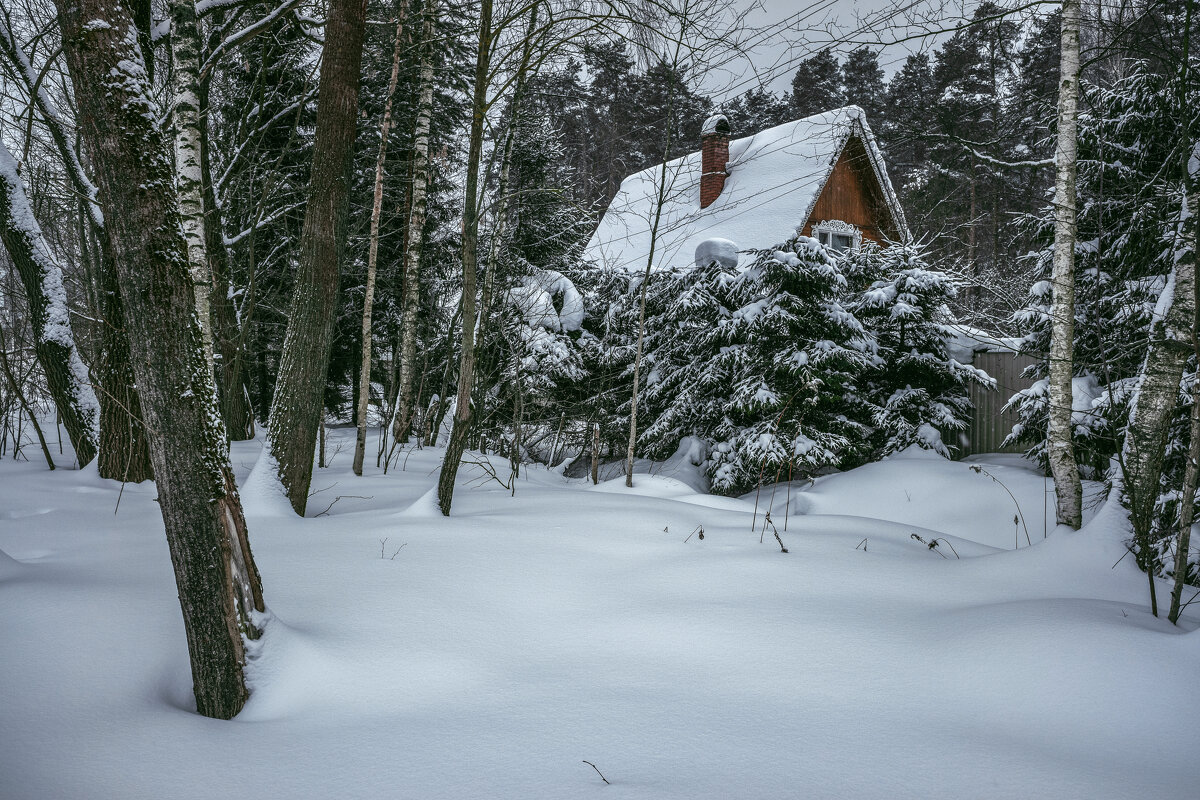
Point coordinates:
[[838, 235]]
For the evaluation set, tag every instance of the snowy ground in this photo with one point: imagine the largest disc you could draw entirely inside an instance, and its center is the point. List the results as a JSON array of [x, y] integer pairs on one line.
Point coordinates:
[[498, 649]]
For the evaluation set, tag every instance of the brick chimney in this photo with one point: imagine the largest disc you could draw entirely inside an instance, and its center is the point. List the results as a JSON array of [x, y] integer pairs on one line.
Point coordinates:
[[714, 156]]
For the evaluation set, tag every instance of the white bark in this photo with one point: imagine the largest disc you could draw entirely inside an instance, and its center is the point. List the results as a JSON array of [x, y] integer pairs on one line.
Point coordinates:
[[1059, 447], [185, 49], [416, 227], [364, 374]]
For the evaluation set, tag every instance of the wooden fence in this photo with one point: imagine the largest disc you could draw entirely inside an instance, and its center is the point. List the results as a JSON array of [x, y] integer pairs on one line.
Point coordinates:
[[989, 423]]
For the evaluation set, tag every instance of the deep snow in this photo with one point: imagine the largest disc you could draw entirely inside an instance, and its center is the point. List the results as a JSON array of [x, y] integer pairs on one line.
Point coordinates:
[[498, 649]]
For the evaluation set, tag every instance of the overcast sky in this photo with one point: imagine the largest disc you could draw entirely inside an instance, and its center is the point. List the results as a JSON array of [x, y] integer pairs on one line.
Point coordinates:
[[796, 29]]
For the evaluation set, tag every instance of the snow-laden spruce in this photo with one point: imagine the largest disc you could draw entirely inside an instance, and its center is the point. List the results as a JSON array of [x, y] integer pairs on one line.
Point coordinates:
[[916, 390]]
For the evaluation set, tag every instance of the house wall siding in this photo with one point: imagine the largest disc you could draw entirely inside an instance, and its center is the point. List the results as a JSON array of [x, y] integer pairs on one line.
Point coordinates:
[[852, 194]]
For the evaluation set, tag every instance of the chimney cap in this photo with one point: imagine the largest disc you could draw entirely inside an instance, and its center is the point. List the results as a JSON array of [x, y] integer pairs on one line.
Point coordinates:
[[717, 123]]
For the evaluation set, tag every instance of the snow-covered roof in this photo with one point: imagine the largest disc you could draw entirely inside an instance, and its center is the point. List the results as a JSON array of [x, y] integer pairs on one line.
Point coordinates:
[[775, 178]]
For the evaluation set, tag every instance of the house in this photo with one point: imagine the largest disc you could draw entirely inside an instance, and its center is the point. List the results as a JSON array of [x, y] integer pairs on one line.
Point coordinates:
[[822, 176]]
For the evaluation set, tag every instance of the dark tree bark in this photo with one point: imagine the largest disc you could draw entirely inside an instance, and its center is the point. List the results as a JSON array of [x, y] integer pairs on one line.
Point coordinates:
[[123, 451], [53, 339], [470, 257], [124, 441], [219, 588], [300, 389]]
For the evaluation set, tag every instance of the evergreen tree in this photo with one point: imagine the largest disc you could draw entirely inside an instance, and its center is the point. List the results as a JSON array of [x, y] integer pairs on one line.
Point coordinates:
[[816, 86], [862, 79], [794, 406], [916, 390]]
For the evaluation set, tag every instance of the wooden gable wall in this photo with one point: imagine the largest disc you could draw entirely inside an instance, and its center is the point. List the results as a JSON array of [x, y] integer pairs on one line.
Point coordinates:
[[852, 194]]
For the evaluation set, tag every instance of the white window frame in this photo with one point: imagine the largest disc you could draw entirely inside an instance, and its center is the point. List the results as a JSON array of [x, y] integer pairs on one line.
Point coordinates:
[[832, 233]]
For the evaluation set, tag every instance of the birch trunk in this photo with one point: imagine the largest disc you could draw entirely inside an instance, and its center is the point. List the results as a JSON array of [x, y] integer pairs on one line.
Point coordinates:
[[304, 362], [466, 368], [1060, 448], [54, 341], [185, 85], [219, 589], [1158, 387], [364, 374], [403, 411]]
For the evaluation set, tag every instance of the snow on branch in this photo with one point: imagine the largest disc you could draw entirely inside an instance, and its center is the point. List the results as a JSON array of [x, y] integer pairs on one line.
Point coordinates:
[[15, 55], [244, 34]]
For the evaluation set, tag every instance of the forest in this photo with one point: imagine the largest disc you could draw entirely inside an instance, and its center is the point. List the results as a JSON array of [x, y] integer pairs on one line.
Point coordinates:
[[251, 245]]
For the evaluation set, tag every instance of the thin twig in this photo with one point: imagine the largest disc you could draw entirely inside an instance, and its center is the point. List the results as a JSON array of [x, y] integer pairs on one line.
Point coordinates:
[[598, 772], [339, 497]]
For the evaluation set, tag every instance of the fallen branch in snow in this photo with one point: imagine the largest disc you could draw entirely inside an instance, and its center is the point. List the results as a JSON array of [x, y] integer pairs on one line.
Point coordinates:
[[862, 544], [598, 772], [339, 497]]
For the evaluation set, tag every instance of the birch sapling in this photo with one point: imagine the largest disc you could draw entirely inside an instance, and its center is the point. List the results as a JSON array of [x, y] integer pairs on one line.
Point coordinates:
[[364, 373]]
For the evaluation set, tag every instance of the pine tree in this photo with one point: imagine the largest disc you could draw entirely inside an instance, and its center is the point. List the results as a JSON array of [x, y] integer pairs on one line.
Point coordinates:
[[862, 79], [817, 86]]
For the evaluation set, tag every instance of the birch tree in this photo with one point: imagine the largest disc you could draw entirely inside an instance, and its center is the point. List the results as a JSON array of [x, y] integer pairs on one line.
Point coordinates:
[[364, 373], [416, 232], [185, 50], [220, 593], [1060, 450]]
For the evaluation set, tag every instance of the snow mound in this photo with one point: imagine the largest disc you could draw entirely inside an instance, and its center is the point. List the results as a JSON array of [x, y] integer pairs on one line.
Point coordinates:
[[9, 566], [263, 494]]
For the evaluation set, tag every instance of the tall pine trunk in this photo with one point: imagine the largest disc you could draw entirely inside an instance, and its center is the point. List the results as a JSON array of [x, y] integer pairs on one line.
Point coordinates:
[[403, 407], [219, 589], [364, 373], [304, 362], [53, 339], [1059, 446]]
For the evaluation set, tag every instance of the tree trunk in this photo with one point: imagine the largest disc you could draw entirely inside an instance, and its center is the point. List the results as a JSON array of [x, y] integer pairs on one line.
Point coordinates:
[[1187, 502], [236, 410], [1158, 389], [185, 87], [304, 362], [123, 450], [1059, 446], [403, 407], [364, 374], [220, 593], [466, 368], [124, 441], [54, 341]]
